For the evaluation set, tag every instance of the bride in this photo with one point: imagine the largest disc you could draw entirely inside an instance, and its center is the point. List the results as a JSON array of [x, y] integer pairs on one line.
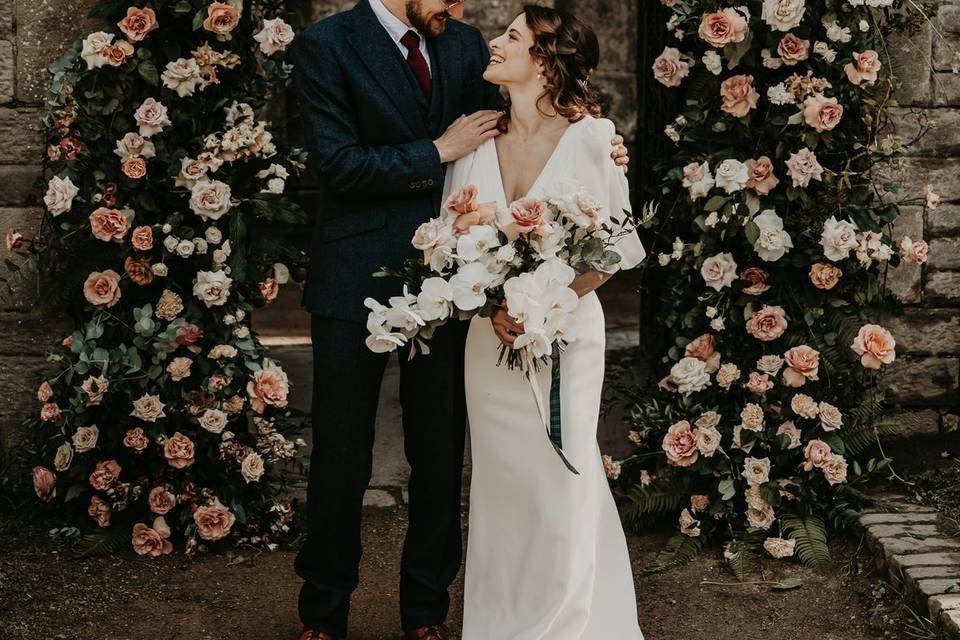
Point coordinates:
[[546, 555]]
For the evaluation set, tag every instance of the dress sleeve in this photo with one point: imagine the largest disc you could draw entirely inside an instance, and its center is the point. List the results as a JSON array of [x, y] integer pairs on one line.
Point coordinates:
[[609, 184]]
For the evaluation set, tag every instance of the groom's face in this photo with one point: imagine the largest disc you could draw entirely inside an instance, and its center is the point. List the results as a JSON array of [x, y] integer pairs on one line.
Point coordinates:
[[429, 17]]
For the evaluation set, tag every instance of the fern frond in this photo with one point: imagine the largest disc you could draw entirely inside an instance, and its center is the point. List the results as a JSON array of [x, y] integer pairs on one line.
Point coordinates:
[[660, 496], [810, 534], [679, 550], [95, 545], [744, 554]]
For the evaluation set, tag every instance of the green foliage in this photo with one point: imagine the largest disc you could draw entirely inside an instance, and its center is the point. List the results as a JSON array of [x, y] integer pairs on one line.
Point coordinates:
[[679, 550], [810, 534]]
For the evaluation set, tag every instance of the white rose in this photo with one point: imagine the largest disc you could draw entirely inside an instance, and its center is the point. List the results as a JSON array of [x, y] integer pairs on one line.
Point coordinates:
[[152, 117], [719, 271], [133, 144], [830, 417], [214, 236], [219, 256], [275, 185], [159, 269], [839, 237], [212, 287], [823, 50], [148, 408], [210, 199], [182, 75], [184, 248], [252, 467], [698, 179], [790, 430], [60, 194], [756, 471], [731, 175], [201, 245], [213, 420], [281, 273], [783, 15], [275, 36], [712, 61], [707, 439], [63, 457], [85, 439], [93, 46], [773, 242], [804, 167], [690, 375]]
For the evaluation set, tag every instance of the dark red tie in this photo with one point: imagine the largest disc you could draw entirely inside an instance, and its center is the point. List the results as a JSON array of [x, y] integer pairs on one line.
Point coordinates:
[[411, 40]]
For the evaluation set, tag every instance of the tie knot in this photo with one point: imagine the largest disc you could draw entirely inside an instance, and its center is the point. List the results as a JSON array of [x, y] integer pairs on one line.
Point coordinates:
[[411, 40]]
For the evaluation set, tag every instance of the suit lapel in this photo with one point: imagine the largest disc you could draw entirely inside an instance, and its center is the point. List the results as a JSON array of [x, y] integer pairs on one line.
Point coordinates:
[[382, 58], [444, 54]]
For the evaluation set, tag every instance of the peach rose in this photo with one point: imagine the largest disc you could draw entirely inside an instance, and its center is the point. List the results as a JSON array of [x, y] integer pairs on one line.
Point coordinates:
[[768, 323], [85, 438], [222, 18], [179, 451], [152, 542], [135, 439], [760, 176], [138, 23], [727, 375], [99, 511], [179, 368], [63, 457], [804, 406], [864, 68], [816, 454], [169, 305], [268, 387], [680, 445], [669, 69], [105, 475], [44, 483], [722, 27], [134, 167], [102, 288], [793, 49], [930, 197], [116, 54], [463, 205], [188, 336], [161, 500], [759, 383], [50, 412], [915, 251], [269, 289], [757, 278], [835, 471], [699, 502], [803, 363], [139, 271], [109, 224], [739, 96], [142, 238], [44, 392], [528, 214], [875, 346], [704, 348], [824, 276], [822, 113], [214, 521]]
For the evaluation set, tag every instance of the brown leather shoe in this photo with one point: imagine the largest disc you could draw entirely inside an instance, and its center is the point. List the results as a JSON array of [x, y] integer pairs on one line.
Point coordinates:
[[310, 634], [433, 632]]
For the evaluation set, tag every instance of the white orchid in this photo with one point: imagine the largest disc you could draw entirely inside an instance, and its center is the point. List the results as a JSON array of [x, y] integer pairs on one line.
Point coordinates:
[[435, 299], [402, 315], [479, 240], [470, 284]]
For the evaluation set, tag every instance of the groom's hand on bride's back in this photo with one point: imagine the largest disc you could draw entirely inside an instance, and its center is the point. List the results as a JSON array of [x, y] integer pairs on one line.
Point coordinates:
[[466, 133], [619, 153]]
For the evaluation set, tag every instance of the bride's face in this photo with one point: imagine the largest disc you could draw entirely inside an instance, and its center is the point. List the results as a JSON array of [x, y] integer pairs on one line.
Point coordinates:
[[510, 59]]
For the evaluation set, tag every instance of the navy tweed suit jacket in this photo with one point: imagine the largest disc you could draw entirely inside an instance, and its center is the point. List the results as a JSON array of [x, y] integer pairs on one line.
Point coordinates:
[[370, 132]]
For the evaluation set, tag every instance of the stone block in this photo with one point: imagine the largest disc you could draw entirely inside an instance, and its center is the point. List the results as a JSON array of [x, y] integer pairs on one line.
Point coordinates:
[[925, 331], [942, 287], [44, 31], [938, 141], [950, 620], [946, 53], [902, 530], [6, 19], [911, 65], [925, 422], [946, 602], [923, 381], [944, 253], [942, 571], [911, 174], [618, 92], [946, 89], [950, 422], [32, 333], [868, 519], [936, 586], [906, 281], [948, 18], [945, 219], [6, 71], [378, 498], [615, 23], [906, 546], [16, 185], [926, 560], [21, 142], [27, 221]]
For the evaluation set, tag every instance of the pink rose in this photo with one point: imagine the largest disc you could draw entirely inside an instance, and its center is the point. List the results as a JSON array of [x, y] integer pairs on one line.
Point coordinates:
[[463, 204], [102, 288], [803, 363], [875, 346], [138, 23], [134, 167], [669, 69], [50, 412], [680, 444], [222, 18], [528, 215], [760, 176], [915, 251], [268, 387], [69, 147], [739, 96], [142, 238], [108, 224], [757, 278], [722, 27], [117, 54], [14, 239], [161, 500], [864, 68], [135, 439], [269, 289], [824, 276], [105, 475], [45, 392], [214, 521], [139, 271], [178, 450], [99, 511], [759, 383], [704, 348], [816, 454], [930, 197], [821, 113], [152, 542], [44, 483], [767, 324], [793, 49]]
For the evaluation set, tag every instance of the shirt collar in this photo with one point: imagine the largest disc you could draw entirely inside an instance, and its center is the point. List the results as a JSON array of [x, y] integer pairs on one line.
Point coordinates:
[[394, 25]]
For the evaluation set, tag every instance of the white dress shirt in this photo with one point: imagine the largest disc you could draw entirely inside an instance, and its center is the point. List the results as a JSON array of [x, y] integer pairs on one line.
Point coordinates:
[[396, 28]]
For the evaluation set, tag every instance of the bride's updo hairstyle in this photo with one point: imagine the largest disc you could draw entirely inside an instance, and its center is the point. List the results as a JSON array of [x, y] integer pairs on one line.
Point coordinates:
[[569, 52]]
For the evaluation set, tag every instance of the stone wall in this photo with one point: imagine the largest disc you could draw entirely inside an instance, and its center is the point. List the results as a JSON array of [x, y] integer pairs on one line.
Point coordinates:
[[926, 374]]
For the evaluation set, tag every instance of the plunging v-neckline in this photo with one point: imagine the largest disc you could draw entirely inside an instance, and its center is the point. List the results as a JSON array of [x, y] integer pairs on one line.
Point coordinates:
[[543, 170]]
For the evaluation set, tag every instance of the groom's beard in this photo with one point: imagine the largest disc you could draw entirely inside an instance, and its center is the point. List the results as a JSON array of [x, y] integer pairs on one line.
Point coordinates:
[[430, 27]]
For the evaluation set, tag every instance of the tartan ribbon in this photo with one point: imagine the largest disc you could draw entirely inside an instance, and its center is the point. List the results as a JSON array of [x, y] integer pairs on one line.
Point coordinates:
[[555, 432]]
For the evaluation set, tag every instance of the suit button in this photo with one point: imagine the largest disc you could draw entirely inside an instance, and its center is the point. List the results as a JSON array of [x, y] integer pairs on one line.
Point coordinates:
[[430, 182], [413, 185]]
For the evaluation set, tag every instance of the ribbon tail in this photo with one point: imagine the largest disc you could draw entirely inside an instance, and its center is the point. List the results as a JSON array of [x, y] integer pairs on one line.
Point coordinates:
[[553, 431]]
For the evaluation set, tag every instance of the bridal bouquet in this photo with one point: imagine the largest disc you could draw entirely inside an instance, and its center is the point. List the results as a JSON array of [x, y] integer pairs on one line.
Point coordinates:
[[478, 257]]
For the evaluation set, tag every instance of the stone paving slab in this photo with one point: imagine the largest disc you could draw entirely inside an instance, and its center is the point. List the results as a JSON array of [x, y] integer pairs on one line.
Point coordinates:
[[907, 541]]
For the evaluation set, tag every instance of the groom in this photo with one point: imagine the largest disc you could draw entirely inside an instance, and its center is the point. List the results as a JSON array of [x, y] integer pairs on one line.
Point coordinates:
[[383, 89]]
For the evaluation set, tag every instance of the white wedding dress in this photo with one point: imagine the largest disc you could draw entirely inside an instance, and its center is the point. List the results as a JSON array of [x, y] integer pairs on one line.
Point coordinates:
[[546, 554]]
